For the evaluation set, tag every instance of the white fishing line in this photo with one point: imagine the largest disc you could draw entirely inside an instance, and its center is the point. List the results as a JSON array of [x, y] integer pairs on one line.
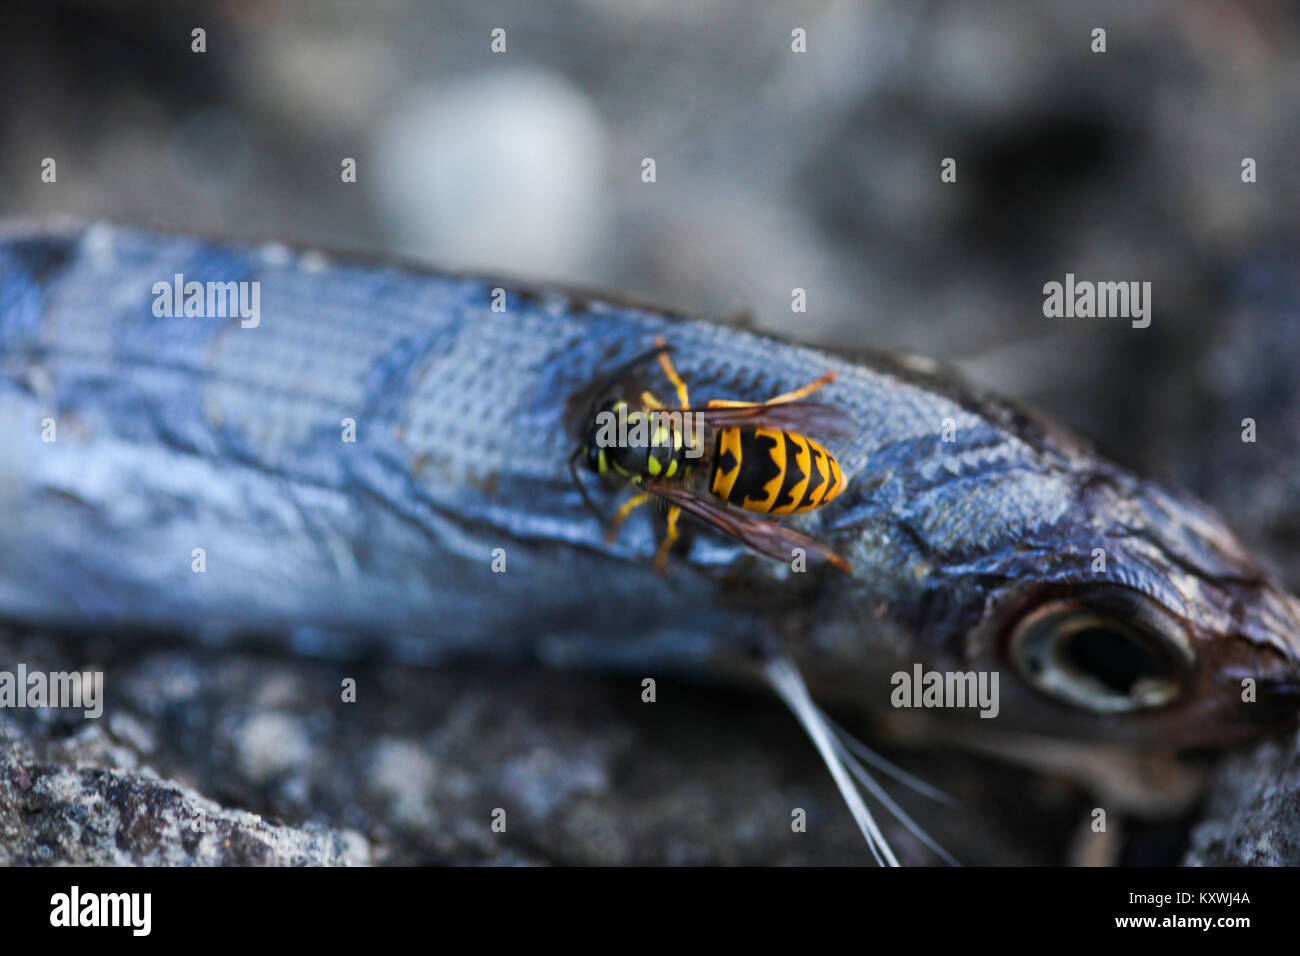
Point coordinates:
[[899, 813], [787, 682], [867, 755]]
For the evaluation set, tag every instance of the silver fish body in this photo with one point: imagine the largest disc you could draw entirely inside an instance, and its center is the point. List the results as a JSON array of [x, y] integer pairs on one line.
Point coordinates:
[[964, 517]]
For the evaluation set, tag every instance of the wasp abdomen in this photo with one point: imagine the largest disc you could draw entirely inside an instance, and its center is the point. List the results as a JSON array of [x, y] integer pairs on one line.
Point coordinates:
[[772, 471]]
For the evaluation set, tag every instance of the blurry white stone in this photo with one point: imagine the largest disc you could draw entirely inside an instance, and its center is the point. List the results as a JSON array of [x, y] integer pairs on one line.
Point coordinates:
[[271, 744], [504, 172]]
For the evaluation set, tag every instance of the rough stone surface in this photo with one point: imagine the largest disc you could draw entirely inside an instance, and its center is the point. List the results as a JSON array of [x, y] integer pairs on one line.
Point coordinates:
[[1253, 816], [261, 754], [53, 814]]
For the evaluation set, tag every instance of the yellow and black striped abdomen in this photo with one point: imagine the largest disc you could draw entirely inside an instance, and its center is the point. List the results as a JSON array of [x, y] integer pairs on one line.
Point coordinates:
[[773, 472]]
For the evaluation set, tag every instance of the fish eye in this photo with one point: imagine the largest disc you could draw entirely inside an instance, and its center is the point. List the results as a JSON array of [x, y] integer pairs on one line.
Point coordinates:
[[1099, 660]]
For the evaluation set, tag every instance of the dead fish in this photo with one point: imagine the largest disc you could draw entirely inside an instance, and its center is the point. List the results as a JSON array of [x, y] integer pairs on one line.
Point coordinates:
[[376, 462]]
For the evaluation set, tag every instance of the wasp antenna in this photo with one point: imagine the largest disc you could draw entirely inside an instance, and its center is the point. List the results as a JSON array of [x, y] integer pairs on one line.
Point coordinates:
[[612, 379], [577, 481], [787, 682]]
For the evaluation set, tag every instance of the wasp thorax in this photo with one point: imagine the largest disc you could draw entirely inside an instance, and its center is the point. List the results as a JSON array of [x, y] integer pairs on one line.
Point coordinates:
[[636, 443]]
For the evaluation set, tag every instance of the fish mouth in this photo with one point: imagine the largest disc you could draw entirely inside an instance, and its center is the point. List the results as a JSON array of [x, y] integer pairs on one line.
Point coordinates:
[[1257, 666], [1245, 683], [1277, 704]]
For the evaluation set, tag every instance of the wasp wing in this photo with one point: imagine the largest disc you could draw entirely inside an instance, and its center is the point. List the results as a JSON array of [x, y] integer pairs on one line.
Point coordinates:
[[765, 537], [807, 418]]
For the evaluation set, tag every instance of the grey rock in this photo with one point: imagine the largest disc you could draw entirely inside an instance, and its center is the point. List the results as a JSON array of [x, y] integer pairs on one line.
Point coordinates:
[[1253, 812], [98, 816], [262, 754]]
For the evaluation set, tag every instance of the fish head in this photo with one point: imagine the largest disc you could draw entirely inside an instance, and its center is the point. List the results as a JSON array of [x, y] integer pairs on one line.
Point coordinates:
[[1110, 608], [1138, 618]]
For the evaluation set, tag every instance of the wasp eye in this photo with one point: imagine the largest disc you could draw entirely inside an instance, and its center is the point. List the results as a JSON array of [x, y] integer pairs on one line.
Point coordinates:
[[1097, 660]]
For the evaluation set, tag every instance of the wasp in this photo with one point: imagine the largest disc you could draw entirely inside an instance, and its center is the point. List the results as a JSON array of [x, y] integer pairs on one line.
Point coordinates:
[[726, 464]]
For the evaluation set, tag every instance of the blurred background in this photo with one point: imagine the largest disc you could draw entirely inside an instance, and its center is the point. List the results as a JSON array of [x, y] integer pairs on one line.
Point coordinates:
[[774, 170]]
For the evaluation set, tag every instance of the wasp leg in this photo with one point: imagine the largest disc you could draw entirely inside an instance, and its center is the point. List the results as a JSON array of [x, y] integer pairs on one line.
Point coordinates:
[[636, 501], [670, 539], [649, 400], [793, 396], [683, 396]]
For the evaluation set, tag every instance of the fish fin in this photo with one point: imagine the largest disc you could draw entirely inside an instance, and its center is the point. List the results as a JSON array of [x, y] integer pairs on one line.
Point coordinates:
[[785, 679], [888, 768]]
